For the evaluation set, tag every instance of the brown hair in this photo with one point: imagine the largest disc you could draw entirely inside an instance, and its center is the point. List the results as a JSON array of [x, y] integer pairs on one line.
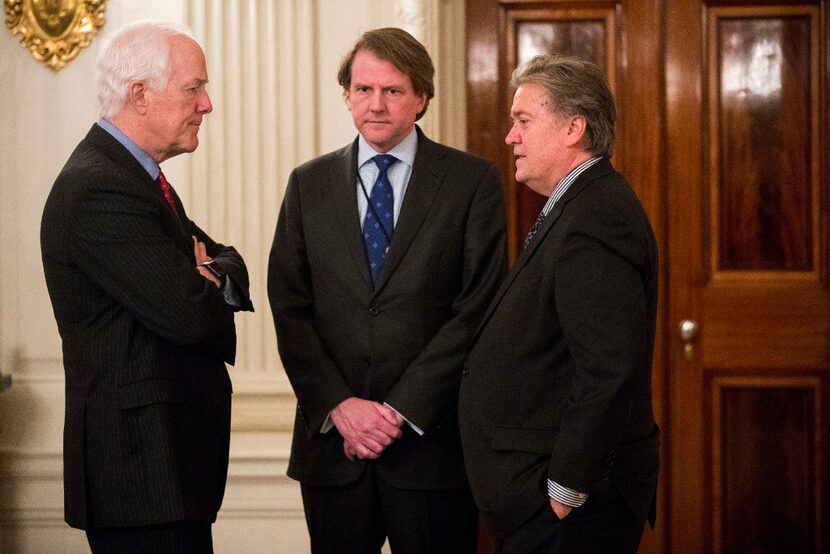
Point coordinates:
[[402, 50]]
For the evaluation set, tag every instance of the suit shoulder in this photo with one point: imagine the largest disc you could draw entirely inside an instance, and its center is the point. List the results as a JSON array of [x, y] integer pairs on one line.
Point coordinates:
[[324, 162], [465, 159], [613, 190]]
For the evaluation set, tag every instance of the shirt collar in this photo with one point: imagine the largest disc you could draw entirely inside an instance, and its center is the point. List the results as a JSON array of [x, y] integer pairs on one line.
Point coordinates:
[[564, 184], [404, 151], [146, 161]]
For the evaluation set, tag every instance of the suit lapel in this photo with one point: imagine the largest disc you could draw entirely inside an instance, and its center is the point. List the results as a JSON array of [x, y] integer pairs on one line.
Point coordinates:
[[125, 160], [344, 206], [427, 171], [599, 169]]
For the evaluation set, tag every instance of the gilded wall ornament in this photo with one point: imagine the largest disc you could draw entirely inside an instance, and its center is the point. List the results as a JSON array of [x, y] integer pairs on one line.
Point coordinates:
[[55, 31]]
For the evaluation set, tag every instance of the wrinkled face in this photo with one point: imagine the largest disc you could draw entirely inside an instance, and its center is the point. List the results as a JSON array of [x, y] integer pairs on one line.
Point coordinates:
[[544, 145], [382, 101], [175, 111]]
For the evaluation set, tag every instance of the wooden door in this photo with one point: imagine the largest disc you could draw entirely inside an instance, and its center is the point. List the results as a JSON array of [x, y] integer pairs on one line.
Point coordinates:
[[746, 86], [724, 116]]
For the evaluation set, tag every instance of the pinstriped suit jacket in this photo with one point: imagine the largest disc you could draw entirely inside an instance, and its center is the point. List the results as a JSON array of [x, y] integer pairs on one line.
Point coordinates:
[[145, 341]]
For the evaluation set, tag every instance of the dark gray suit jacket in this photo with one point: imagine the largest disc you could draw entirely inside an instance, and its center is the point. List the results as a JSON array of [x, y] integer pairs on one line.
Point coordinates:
[[145, 341], [403, 342], [558, 380]]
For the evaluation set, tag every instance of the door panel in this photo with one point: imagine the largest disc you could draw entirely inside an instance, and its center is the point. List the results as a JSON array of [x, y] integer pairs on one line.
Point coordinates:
[[587, 33]]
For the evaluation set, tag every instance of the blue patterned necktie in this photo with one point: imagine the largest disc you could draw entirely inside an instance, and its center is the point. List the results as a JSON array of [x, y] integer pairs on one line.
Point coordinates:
[[379, 222], [534, 229]]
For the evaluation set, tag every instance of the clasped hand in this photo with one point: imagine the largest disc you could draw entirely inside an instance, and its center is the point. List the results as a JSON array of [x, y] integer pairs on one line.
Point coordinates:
[[367, 427]]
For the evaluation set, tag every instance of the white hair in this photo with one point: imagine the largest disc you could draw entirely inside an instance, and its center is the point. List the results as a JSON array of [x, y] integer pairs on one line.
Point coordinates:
[[138, 51]]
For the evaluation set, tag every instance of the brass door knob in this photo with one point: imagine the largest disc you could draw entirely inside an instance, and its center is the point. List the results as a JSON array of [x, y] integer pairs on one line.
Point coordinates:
[[688, 333]]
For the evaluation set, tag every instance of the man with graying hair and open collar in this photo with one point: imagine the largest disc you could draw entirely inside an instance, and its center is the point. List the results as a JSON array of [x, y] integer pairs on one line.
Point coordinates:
[[144, 301], [560, 443]]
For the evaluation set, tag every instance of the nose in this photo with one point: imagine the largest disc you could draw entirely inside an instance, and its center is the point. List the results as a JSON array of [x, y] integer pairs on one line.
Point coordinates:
[[376, 103], [204, 106], [512, 136]]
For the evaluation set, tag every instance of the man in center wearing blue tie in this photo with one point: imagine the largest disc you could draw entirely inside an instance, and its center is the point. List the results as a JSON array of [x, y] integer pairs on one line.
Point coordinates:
[[385, 257]]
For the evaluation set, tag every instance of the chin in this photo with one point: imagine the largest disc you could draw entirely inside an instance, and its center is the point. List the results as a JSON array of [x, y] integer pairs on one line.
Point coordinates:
[[377, 138], [189, 146]]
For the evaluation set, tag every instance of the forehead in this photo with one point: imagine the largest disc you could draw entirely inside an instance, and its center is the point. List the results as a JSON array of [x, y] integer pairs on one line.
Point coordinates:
[[187, 61], [367, 67], [531, 98]]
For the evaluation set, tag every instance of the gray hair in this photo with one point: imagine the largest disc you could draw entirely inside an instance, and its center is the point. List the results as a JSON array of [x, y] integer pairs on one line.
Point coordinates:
[[576, 87], [138, 51]]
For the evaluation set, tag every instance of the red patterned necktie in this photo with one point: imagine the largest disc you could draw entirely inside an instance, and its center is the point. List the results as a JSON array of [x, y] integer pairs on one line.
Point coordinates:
[[168, 194]]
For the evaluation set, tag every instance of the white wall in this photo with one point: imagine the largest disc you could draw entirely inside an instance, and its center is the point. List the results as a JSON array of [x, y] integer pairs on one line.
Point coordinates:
[[272, 65]]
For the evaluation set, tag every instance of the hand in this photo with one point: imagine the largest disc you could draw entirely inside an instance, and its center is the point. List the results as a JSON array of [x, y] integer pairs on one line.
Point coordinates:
[[200, 253], [561, 510], [367, 427], [350, 450]]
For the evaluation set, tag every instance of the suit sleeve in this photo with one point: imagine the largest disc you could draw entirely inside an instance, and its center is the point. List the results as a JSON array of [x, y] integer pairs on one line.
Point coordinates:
[[116, 237], [231, 263], [314, 376], [427, 391], [601, 305]]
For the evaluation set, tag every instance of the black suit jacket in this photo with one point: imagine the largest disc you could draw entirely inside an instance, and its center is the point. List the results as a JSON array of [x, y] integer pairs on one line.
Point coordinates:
[[558, 380], [145, 341], [403, 342]]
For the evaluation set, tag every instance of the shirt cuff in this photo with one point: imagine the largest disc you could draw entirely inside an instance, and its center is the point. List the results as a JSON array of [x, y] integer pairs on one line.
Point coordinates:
[[409, 423], [327, 425], [233, 297], [566, 496]]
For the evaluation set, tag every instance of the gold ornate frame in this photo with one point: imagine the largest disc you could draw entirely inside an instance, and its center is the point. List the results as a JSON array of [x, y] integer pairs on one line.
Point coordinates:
[[55, 31]]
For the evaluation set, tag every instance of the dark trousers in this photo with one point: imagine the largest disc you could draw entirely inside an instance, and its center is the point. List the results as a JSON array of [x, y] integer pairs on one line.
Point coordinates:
[[177, 537], [603, 525], [357, 518]]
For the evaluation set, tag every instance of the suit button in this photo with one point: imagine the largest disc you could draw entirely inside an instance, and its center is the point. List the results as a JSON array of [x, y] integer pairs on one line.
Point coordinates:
[[367, 361], [373, 311], [465, 371]]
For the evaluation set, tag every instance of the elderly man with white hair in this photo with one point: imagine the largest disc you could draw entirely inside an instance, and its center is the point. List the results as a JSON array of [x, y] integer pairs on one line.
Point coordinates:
[[144, 301]]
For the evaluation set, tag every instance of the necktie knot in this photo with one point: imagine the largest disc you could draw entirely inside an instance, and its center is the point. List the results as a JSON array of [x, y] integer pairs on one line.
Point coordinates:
[[384, 161]]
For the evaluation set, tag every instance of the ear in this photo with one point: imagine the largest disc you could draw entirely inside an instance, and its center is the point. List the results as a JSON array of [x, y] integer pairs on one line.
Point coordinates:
[[137, 96], [576, 129], [347, 99], [423, 103]]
